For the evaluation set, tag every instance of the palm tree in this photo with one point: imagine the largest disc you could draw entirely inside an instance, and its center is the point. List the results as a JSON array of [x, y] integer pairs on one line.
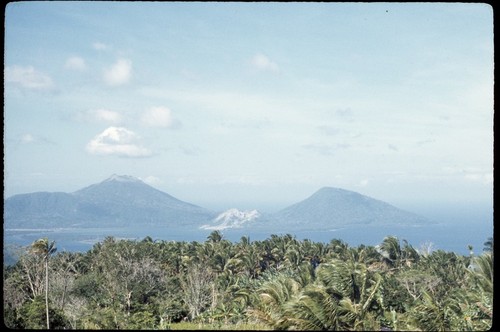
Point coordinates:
[[488, 245], [215, 236], [44, 248], [447, 266], [431, 315], [338, 249], [344, 295], [390, 250], [250, 260], [270, 300], [314, 309], [395, 255], [358, 287], [483, 268]]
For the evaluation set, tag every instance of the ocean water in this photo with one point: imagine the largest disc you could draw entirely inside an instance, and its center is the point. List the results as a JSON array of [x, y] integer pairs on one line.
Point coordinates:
[[453, 230]]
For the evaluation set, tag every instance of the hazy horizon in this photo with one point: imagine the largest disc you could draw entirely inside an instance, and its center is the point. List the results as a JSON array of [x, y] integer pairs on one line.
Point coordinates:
[[252, 104], [436, 211]]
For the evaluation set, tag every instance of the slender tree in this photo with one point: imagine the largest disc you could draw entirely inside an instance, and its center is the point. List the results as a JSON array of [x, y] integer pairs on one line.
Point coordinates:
[[44, 248], [488, 245]]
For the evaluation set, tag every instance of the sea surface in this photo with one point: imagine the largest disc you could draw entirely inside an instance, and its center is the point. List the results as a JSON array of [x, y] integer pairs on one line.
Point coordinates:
[[454, 230]]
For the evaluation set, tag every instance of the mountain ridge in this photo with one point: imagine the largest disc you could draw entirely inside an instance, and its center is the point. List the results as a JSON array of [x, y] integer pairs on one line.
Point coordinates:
[[335, 207], [123, 200], [116, 201]]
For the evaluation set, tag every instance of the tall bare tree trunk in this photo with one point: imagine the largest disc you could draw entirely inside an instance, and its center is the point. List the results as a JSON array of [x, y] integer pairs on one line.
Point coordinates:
[[47, 290], [44, 248]]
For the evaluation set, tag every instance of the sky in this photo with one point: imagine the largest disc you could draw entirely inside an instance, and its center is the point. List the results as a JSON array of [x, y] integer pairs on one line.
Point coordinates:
[[252, 105]]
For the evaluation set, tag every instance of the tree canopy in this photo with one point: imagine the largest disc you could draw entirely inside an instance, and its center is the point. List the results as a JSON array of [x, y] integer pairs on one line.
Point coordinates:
[[276, 283]]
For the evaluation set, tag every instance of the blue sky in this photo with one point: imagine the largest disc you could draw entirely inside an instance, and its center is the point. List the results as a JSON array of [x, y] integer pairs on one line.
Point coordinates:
[[251, 104]]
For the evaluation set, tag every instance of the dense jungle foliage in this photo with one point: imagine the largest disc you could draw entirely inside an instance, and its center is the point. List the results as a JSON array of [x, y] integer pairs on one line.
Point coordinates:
[[277, 283]]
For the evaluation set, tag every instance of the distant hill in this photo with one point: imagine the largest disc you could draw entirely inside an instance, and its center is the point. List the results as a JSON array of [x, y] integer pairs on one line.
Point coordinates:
[[117, 201], [121, 201], [331, 208], [43, 209]]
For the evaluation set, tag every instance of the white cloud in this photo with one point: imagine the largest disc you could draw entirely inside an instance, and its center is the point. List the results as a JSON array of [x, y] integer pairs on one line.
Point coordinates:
[[363, 183], [27, 138], [474, 174], [100, 46], [262, 62], [117, 141], [106, 115], [100, 115], [158, 117], [152, 180], [250, 107], [28, 77], [484, 178], [119, 73], [75, 63]]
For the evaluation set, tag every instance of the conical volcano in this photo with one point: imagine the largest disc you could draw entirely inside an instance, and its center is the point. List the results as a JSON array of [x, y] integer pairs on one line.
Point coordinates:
[[120, 200], [334, 207]]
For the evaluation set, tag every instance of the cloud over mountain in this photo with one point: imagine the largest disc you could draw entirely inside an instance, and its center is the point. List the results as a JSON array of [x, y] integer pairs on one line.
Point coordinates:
[[117, 141]]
